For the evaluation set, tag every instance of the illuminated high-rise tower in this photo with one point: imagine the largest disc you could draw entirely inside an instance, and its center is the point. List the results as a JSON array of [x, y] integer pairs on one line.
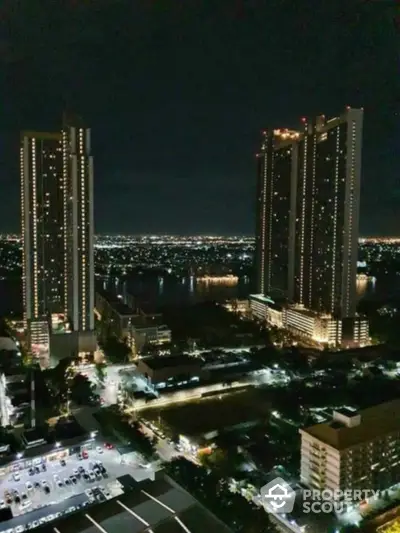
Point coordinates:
[[42, 230], [78, 223], [57, 230], [308, 211]]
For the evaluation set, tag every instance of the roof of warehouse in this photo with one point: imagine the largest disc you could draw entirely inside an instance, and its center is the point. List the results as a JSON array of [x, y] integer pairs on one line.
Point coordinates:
[[159, 506]]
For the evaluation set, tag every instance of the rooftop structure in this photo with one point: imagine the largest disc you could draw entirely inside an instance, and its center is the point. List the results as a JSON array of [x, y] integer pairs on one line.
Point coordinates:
[[159, 506], [349, 428], [356, 450]]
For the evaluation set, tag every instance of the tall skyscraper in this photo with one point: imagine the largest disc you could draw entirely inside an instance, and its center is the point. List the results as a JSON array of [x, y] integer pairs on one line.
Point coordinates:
[[328, 203], [42, 229], [277, 165], [308, 195], [78, 223], [57, 229]]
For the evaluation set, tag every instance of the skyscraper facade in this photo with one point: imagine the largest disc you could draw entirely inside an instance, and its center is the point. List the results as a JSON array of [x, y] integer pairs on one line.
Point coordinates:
[[327, 213], [42, 228], [277, 164], [78, 223], [57, 229], [308, 195]]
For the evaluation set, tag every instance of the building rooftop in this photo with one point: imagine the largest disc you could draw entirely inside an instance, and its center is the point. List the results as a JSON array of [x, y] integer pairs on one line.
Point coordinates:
[[68, 429], [42, 135], [159, 506], [375, 421], [147, 321], [116, 303], [158, 362], [261, 298]]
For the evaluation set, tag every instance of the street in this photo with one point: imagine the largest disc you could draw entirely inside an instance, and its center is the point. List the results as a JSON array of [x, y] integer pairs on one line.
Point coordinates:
[[115, 375], [165, 448]]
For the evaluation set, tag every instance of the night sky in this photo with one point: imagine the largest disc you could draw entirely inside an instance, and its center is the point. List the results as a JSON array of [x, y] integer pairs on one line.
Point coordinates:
[[177, 92]]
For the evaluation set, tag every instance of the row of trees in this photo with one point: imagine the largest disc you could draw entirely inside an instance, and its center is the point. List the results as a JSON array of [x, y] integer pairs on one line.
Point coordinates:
[[57, 388], [123, 428], [212, 490]]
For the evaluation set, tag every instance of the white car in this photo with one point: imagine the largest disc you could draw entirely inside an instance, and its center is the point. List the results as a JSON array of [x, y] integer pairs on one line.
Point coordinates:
[[19, 529], [99, 449], [2, 504], [75, 472], [89, 493], [92, 476], [26, 504], [16, 477], [28, 485]]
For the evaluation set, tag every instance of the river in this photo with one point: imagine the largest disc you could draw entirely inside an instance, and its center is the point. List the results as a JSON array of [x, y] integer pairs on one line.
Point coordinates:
[[159, 291]]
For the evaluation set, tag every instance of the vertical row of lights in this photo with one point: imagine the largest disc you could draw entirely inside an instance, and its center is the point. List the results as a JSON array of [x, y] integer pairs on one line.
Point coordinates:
[[303, 216], [311, 243], [83, 224], [24, 258], [65, 156], [270, 213], [263, 214], [34, 228], [335, 215], [350, 214]]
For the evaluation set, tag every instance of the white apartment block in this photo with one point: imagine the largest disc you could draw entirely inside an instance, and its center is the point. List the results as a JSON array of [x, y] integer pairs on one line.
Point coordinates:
[[356, 450]]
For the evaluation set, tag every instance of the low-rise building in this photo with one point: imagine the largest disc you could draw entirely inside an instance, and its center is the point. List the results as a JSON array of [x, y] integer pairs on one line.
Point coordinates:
[[356, 450], [149, 330], [136, 329], [39, 334], [174, 368], [242, 307], [259, 305], [318, 328], [116, 315], [39, 446]]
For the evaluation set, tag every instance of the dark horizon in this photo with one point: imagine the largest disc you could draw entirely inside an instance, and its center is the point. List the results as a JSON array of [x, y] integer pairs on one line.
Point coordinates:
[[177, 97]]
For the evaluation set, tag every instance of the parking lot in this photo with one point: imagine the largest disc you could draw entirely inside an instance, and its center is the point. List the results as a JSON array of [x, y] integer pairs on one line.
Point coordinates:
[[63, 482]]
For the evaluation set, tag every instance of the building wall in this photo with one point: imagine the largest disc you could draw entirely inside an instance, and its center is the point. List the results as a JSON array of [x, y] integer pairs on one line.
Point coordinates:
[[308, 193], [328, 192], [41, 223], [371, 465], [57, 225], [79, 223], [273, 258], [159, 375]]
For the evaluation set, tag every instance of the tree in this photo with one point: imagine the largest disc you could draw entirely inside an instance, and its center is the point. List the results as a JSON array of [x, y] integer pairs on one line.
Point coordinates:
[[144, 444], [101, 373], [115, 350], [81, 390]]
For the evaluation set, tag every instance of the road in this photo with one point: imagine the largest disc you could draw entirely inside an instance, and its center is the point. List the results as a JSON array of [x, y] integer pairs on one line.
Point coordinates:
[[115, 375], [165, 448]]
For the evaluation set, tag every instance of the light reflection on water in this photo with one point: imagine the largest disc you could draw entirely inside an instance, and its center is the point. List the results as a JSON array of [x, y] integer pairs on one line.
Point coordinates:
[[168, 290]]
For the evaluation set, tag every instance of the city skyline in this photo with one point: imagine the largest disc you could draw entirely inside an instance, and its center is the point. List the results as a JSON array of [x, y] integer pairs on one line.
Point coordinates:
[[178, 96]]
